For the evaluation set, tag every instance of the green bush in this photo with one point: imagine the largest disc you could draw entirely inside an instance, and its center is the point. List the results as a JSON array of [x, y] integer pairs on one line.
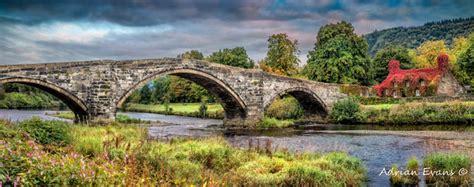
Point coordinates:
[[47, 132], [274, 123], [448, 162], [410, 179], [285, 108], [345, 111]]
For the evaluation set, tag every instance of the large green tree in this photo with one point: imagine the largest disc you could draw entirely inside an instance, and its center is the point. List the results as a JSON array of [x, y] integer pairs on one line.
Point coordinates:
[[390, 53], [145, 94], [233, 57], [466, 63], [339, 56], [282, 55]]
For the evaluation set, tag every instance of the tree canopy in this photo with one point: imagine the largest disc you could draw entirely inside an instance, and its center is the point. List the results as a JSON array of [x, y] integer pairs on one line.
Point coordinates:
[[412, 37], [339, 56], [390, 53], [282, 55], [233, 57], [466, 63], [193, 54]]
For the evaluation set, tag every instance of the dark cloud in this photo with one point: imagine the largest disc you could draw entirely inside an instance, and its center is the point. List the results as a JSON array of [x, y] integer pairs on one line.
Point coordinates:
[[47, 31]]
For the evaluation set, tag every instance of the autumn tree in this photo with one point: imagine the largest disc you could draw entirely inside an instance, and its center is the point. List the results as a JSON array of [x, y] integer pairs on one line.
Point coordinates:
[[233, 57], [427, 53], [466, 63], [282, 55], [390, 53], [339, 56]]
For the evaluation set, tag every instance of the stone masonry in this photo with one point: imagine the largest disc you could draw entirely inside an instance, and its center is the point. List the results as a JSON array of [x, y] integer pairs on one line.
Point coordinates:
[[95, 89]]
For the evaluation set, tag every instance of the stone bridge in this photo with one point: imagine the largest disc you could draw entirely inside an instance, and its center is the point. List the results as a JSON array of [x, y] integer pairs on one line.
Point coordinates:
[[96, 89]]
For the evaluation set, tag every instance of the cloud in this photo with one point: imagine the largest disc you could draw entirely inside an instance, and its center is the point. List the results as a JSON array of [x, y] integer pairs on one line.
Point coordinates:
[[51, 31]]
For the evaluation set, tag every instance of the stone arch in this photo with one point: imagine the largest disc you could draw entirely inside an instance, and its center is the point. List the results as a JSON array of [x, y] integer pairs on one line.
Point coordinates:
[[234, 107], [74, 103], [309, 101]]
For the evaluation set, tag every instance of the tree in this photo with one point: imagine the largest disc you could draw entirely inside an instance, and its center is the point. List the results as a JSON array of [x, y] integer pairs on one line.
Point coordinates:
[[145, 94], [390, 53], [233, 57], [339, 56], [2, 92], [161, 88], [427, 53], [193, 54], [466, 63], [282, 55]]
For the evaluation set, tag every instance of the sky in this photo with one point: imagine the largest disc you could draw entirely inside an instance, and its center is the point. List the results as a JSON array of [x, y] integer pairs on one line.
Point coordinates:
[[58, 31]]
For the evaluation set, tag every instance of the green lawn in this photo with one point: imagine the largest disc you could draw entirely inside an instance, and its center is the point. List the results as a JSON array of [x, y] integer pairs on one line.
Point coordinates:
[[177, 107], [380, 106]]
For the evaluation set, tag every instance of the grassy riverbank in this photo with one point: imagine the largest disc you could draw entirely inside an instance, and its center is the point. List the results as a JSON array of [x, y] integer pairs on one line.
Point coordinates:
[[37, 152], [451, 112], [214, 110]]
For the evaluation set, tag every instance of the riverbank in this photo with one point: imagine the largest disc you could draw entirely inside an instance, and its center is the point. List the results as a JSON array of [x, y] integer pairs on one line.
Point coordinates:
[[122, 155], [214, 110], [442, 113]]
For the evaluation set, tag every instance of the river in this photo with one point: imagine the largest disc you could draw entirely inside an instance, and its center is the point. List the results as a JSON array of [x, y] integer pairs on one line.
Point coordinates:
[[378, 149]]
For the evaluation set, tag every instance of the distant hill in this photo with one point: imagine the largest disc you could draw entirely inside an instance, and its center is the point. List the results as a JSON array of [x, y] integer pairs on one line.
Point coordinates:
[[412, 37]]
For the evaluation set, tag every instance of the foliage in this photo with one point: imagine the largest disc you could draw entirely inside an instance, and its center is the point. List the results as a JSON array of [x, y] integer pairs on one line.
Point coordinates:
[[390, 53], [193, 54], [203, 108], [214, 110], [407, 177], [466, 63], [345, 111], [339, 56], [145, 94], [447, 162], [128, 120], [233, 57], [285, 108], [453, 112], [120, 155], [427, 53], [281, 56], [412, 37], [18, 96], [271, 122], [47, 132]]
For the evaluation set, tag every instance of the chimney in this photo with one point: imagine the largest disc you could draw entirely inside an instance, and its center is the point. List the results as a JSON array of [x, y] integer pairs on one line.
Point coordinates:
[[443, 62], [393, 66]]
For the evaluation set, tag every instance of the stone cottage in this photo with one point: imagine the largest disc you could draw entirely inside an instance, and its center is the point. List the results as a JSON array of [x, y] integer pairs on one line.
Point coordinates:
[[419, 82]]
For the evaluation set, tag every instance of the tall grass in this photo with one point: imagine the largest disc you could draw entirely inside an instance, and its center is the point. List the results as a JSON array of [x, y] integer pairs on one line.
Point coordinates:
[[122, 155]]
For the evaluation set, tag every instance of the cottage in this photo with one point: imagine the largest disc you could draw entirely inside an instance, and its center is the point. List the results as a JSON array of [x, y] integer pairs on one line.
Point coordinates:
[[419, 82]]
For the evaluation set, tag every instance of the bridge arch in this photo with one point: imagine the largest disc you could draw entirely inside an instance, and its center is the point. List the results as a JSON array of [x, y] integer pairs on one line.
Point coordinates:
[[312, 104], [234, 107], [74, 103]]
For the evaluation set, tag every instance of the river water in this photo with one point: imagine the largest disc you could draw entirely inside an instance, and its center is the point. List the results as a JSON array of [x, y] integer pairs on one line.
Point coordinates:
[[377, 149]]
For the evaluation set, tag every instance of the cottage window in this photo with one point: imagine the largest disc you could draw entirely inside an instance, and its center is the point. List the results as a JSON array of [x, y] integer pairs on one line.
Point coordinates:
[[394, 94], [385, 92], [417, 93], [422, 82], [407, 84]]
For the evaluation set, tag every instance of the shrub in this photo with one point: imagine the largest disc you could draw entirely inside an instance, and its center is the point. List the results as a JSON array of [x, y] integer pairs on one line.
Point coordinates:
[[285, 108], [47, 132], [345, 111], [409, 177], [274, 123], [448, 162]]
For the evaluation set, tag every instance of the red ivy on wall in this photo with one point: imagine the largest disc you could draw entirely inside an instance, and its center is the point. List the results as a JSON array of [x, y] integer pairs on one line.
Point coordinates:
[[411, 82]]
